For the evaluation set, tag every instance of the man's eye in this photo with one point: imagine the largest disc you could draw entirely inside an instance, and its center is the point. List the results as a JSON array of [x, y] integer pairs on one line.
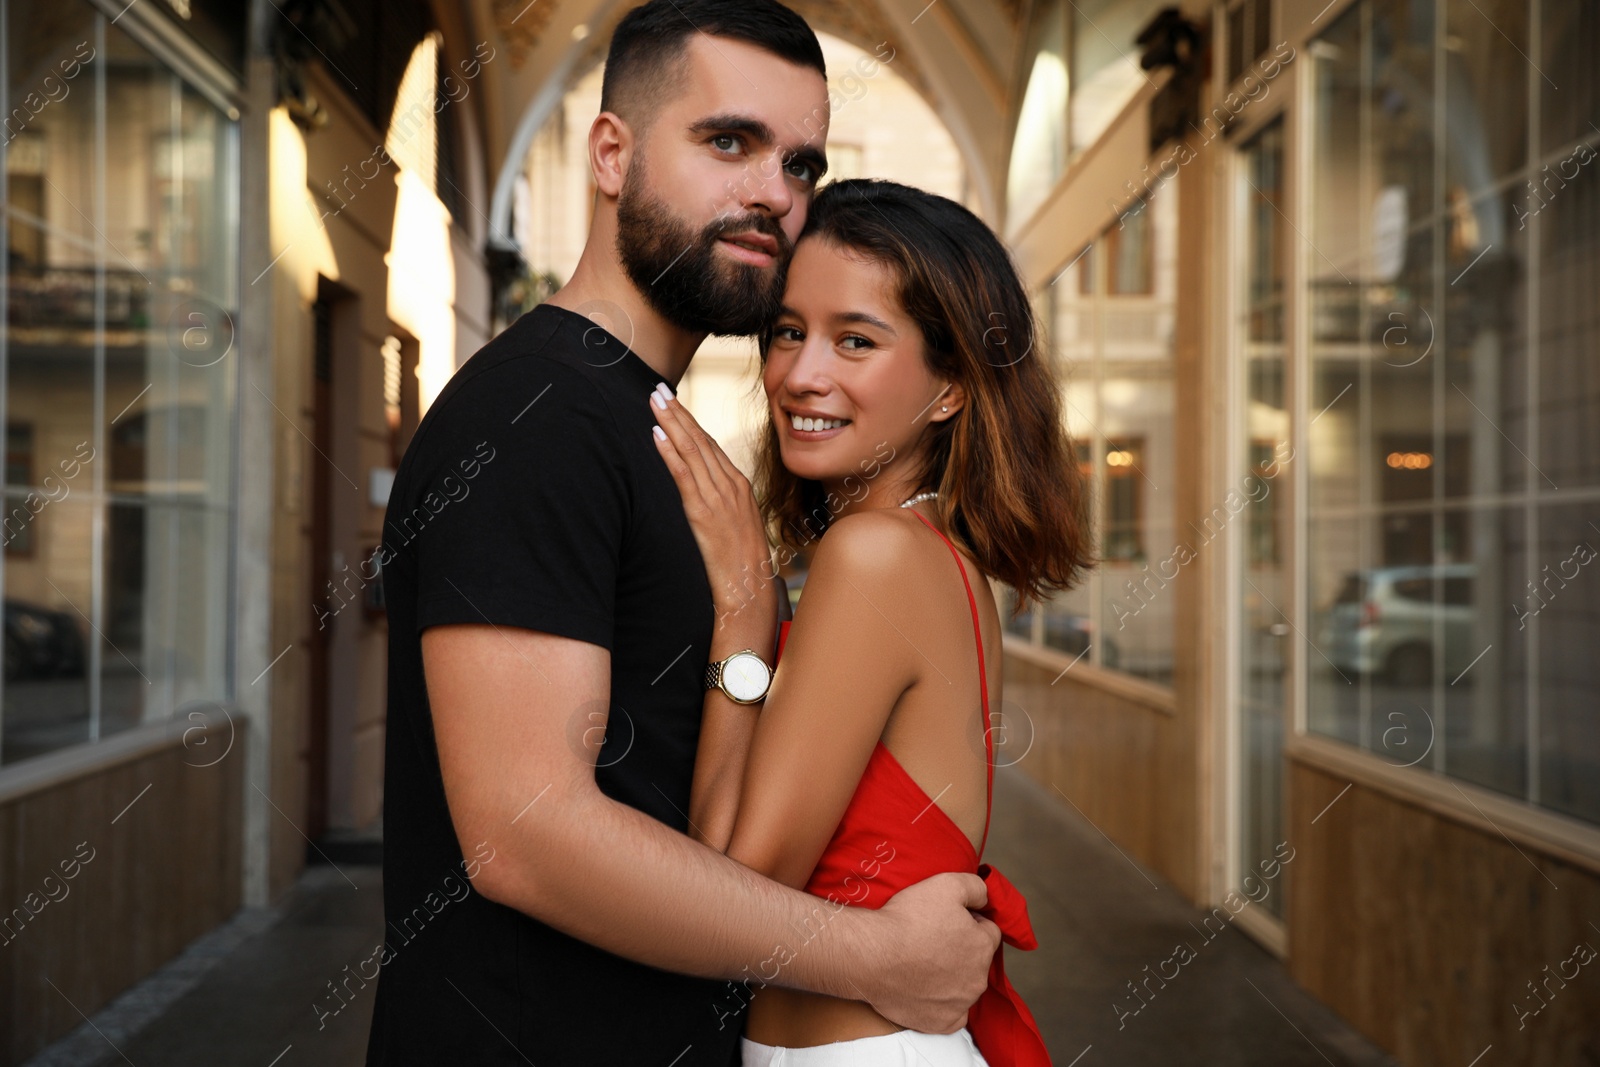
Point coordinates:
[[725, 142], [802, 170]]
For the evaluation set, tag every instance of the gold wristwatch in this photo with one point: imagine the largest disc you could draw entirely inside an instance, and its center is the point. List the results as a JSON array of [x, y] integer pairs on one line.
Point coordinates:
[[743, 676]]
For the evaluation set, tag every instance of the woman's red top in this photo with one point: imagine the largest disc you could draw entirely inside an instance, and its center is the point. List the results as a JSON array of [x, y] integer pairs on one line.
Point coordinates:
[[893, 835]]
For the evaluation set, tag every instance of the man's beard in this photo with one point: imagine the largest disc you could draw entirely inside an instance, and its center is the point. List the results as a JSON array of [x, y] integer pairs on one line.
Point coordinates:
[[682, 274]]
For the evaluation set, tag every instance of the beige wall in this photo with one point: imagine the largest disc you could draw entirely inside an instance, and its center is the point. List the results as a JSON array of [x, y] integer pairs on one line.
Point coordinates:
[[351, 253]]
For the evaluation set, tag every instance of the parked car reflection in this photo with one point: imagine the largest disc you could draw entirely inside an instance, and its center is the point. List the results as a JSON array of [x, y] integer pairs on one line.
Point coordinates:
[[41, 642], [1386, 622]]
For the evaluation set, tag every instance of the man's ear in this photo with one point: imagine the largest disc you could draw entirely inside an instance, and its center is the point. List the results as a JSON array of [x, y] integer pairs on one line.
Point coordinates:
[[611, 148]]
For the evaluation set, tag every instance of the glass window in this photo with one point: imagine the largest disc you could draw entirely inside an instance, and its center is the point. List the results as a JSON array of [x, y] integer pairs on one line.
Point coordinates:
[[1249, 35], [1130, 249], [1105, 62], [119, 274], [1110, 325], [1454, 423], [1039, 147], [1251, 506]]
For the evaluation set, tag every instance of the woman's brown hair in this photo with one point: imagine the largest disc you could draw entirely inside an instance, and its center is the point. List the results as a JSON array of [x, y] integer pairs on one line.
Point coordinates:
[[1010, 489]]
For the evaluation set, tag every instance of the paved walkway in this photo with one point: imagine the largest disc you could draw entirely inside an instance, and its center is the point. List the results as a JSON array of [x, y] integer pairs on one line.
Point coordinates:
[[249, 992]]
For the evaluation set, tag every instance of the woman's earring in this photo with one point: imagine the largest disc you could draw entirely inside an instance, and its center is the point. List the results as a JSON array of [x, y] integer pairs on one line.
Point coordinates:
[[943, 408]]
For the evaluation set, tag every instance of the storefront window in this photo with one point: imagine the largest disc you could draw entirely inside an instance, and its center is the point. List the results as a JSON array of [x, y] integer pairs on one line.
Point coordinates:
[[118, 383], [1111, 316], [1454, 423], [1253, 509]]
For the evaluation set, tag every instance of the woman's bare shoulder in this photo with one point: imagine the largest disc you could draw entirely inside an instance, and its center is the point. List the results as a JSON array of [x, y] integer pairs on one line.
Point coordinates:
[[878, 545]]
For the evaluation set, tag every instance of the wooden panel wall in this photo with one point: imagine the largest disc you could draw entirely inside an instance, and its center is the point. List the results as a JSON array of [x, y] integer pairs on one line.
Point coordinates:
[[1129, 769], [164, 872], [1425, 933]]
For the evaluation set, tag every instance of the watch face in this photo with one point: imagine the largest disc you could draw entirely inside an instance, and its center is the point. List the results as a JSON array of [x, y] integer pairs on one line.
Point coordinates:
[[746, 676]]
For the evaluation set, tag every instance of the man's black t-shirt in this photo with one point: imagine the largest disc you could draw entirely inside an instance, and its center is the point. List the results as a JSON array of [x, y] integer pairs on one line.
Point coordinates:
[[533, 496]]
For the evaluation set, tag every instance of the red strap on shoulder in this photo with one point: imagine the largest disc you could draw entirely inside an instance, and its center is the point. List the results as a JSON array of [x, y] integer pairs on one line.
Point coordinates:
[[983, 681]]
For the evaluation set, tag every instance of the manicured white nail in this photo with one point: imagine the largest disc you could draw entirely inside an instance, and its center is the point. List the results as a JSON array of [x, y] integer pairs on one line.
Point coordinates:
[[655, 398], [664, 390], [661, 435]]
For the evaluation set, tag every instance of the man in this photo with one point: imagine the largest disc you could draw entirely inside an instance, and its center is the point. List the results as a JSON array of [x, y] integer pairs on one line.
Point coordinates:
[[551, 623]]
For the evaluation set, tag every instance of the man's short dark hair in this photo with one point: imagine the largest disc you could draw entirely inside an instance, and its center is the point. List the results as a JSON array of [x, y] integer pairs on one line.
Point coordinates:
[[646, 64]]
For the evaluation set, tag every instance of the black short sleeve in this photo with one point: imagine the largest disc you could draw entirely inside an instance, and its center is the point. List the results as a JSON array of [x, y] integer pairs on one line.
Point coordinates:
[[532, 495], [520, 508]]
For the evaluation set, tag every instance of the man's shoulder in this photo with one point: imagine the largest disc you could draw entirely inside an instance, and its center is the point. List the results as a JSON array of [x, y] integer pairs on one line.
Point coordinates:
[[526, 385], [538, 351]]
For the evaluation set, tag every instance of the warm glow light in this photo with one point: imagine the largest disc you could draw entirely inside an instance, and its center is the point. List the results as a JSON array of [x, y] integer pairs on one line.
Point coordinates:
[[1119, 459], [421, 261], [422, 283], [1409, 461], [1039, 151], [412, 139], [299, 238]]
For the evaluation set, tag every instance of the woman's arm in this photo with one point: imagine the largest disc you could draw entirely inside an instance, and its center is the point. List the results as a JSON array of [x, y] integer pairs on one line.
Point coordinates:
[[726, 727], [846, 664], [727, 526]]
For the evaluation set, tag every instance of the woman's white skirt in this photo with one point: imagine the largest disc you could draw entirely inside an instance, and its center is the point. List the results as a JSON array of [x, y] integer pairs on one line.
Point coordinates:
[[906, 1048]]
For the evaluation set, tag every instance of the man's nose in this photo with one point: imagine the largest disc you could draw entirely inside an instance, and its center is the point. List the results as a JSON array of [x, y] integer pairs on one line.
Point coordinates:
[[768, 188]]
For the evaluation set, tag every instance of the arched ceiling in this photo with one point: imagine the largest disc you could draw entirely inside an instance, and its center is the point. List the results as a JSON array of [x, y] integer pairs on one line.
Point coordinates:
[[962, 55]]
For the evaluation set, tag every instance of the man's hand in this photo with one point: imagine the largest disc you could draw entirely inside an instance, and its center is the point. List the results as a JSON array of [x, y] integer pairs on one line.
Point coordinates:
[[928, 955]]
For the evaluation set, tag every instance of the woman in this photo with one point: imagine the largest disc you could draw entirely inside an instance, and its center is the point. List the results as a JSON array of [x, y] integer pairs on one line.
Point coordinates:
[[910, 421]]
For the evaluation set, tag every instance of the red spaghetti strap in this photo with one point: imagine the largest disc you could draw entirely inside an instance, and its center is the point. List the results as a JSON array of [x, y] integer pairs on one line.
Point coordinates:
[[983, 681]]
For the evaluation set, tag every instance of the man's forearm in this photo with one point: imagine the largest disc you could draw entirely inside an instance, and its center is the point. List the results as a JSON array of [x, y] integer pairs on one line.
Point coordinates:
[[608, 874]]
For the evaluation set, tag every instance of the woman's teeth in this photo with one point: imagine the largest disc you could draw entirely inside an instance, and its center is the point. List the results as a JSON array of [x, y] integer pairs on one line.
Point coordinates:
[[800, 422]]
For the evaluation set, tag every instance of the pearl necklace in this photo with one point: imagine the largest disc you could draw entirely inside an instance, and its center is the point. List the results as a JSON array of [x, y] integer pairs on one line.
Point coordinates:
[[919, 498]]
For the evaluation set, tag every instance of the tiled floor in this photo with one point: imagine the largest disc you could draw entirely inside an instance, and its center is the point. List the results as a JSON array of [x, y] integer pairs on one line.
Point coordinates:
[[253, 991]]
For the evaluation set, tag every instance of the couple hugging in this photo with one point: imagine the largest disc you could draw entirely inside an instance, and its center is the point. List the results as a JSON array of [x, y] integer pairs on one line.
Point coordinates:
[[699, 858]]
